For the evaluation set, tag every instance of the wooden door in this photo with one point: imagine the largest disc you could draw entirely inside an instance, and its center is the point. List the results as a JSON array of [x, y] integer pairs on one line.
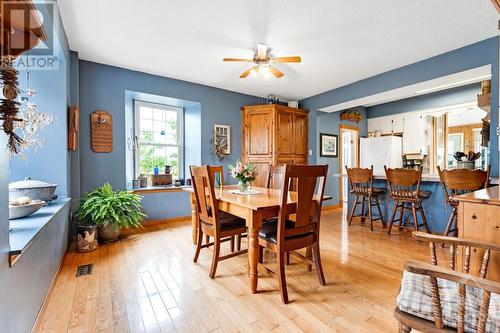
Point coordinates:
[[258, 133], [300, 124], [284, 134]]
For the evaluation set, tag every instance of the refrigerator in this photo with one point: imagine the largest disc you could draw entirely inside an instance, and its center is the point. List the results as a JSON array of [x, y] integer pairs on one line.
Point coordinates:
[[380, 151]]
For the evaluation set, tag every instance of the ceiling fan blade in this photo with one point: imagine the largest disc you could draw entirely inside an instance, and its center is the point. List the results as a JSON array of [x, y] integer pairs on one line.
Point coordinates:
[[248, 71], [275, 72], [261, 51], [237, 60], [287, 59]]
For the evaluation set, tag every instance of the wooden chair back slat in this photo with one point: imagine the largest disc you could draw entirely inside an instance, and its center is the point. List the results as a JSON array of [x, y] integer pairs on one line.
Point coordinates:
[[403, 184], [217, 172], [309, 180], [276, 176], [203, 185], [360, 180], [461, 181], [462, 279]]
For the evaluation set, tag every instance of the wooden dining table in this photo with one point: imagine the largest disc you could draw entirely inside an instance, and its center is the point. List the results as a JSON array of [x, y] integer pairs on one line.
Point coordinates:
[[254, 208]]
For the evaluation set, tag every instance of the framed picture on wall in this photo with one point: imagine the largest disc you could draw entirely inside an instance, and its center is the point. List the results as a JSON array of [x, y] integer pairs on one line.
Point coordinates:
[[223, 135], [328, 145]]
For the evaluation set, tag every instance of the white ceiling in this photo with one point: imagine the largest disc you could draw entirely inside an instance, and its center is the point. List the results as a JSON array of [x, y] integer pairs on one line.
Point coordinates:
[[340, 41]]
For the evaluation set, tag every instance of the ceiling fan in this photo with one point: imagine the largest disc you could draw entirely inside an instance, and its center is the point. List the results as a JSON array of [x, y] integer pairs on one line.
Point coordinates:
[[262, 62]]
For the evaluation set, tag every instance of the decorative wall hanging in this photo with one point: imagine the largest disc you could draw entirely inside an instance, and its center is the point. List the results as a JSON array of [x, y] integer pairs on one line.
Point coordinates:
[[9, 106], [73, 125], [221, 141], [351, 115], [328, 145], [101, 124]]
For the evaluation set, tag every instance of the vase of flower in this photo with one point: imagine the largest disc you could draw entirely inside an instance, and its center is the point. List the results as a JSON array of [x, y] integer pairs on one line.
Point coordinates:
[[244, 173]]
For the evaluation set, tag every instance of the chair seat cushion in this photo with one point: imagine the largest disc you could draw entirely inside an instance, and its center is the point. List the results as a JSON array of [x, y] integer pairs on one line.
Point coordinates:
[[378, 190], [269, 230], [415, 298], [228, 221]]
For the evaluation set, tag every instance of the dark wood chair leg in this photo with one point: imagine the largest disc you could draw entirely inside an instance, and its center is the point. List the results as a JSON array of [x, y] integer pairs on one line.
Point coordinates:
[[370, 217], [450, 223], [414, 212], [353, 209], [317, 263], [238, 242], [198, 244], [287, 258], [380, 212], [363, 209], [401, 215], [231, 243], [309, 255], [391, 222], [261, 254], [207, 239], [424, 218], [215, 258], [282, 277]]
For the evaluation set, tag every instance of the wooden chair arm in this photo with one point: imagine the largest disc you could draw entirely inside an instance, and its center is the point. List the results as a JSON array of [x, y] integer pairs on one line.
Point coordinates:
[[422, 268], [423, 236]]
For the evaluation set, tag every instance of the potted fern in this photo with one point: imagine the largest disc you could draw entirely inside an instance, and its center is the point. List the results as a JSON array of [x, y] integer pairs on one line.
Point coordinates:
[[111, 211]]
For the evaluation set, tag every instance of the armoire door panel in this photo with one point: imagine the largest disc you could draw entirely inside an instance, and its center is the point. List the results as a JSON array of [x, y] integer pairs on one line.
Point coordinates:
[[259, 133], [262, 168], [284, 133], [300, 124]]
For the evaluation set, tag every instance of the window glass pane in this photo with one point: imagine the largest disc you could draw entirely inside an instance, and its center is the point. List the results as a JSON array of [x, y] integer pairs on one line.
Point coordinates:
[[146, 159], [146, 113], [173, 159]]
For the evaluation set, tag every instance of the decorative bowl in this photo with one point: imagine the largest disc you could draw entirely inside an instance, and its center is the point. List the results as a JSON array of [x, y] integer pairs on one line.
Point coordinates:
[[34, 189], [17, 212]]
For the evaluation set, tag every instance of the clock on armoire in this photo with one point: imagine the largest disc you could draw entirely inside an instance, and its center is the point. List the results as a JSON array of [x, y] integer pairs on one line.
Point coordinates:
[[273, 135]]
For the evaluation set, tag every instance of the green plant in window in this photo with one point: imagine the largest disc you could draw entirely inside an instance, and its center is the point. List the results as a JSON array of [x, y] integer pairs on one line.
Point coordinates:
[[104, 206]]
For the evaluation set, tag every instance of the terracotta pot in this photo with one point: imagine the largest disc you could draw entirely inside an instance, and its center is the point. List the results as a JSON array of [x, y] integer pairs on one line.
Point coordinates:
[[108, 234]]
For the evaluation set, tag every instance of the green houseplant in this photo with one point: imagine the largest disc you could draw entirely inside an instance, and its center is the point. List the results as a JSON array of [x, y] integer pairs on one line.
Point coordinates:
[[111, 211]]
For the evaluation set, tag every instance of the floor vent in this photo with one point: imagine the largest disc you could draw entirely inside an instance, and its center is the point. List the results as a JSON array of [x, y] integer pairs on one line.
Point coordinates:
[[84, 270]]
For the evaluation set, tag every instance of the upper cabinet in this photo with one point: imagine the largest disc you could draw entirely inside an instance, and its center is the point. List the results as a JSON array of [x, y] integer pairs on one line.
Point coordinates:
[[273, 135], [410, 125]]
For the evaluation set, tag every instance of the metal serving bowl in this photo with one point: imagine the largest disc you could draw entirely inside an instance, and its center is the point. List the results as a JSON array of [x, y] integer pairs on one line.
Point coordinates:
[[34, 189]]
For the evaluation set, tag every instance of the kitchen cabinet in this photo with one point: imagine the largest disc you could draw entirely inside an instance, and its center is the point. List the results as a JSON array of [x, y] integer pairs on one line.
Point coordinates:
[[387, 124], [414, 134], [273, 135]]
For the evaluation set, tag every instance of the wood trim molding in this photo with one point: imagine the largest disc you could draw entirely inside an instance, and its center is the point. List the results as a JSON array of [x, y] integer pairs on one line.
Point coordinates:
[[148, 224], [330, 207], [341, 168]]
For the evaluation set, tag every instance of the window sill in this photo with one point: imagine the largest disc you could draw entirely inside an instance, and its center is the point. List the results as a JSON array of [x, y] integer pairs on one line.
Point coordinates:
[[159, 189], [25, 230]]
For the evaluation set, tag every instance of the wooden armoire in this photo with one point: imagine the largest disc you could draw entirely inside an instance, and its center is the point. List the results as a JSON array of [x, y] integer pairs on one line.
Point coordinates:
[[273, 135]]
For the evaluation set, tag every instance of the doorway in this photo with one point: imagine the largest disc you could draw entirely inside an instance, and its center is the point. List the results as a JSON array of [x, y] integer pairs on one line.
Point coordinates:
[[349, 157]]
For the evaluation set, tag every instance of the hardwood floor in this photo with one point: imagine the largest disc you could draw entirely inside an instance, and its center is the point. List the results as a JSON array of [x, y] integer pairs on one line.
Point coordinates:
[[148, 283]]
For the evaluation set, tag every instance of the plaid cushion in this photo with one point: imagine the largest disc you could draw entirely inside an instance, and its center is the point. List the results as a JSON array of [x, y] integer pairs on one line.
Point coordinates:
[[415, 297]]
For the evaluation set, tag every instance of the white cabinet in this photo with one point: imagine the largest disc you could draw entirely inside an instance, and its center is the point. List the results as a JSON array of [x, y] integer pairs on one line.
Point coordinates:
[[387, 124], [414, 134], [398, 123]]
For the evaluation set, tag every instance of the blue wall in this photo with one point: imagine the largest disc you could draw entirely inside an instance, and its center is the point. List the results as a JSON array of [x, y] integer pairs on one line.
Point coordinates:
[[475, 55], [330, 123], [105, 87], [24, 286]]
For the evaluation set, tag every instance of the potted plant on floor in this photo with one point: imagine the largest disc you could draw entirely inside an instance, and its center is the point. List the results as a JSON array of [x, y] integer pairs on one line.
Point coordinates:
[[111, 211]]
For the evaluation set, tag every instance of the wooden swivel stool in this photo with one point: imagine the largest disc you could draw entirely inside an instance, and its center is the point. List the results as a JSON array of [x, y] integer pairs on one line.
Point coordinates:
[[361, 184], [460, 181], [404, 189]]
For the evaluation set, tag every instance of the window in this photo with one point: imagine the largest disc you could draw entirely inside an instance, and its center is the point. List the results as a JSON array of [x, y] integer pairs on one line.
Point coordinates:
[[160, 131]]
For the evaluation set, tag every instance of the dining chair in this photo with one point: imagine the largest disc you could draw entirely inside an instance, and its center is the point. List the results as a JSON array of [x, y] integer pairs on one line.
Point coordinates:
[[275, 176], [460, 181], [287, 235], [217, 172], [404, 189], [212, 222], [361, 184]]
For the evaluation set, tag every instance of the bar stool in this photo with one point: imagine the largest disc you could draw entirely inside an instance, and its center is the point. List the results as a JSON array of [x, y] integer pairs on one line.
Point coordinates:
[[361, 183], [404, 189], [460, 181]]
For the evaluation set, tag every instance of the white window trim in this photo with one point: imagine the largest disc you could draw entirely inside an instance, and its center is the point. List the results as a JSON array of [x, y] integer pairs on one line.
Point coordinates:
[[180, 133]]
